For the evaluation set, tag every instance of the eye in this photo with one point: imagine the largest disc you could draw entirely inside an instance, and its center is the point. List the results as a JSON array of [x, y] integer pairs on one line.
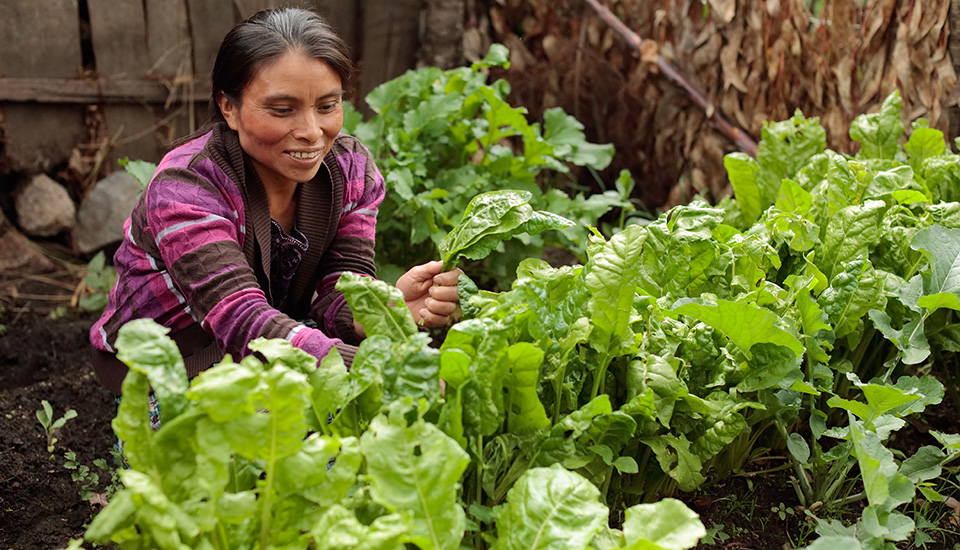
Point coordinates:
[[281, 111], [328, 107]]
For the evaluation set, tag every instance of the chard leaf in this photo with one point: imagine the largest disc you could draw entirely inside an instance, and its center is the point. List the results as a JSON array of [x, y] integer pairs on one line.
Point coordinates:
[[526, 413], [884, 485], [786, 146], [924, 464], [143, 345], [490, 218], [378, 307], [658, 374], [549, 508], [565, 134], [666, 525], [339, 528], [880, 400], [851, 233], [923, 144], [611, 276], [879, 133], [132, 423], [836, 542], [417, 469], [743, 172], [743, 323], [942, 176], [770, 366], [941, 284], [676, 459], [911, 339], [853, 291], [305, 472]]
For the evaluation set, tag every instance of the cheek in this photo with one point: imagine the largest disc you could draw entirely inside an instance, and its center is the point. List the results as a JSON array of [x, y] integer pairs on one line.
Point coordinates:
[[268, 130]]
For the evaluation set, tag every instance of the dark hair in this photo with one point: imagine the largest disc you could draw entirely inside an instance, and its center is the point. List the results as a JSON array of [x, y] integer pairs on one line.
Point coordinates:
[[267, 35]]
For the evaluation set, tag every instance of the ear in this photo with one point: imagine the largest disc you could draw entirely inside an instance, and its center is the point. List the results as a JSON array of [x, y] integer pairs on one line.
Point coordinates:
[[230, 112]]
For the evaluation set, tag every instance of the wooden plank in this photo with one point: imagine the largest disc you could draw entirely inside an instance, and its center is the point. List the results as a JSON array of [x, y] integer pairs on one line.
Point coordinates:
[[119, 35], [40, 39], [250, 7], [169, 49], [210, 21], [344, 17], [390, 40], [74, 90]]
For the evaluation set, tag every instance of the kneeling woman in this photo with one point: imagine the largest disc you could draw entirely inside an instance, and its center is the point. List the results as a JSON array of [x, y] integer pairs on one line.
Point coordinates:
[[247, 225]]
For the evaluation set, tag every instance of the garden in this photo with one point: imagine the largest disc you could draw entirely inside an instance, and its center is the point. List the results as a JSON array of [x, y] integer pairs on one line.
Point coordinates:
[[773, 369]]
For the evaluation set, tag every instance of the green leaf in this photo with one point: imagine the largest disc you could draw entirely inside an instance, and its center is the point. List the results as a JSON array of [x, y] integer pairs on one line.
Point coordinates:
[[377, 306], [143, 345], [743, 323], [743, 172], [666, 525], [526, 413], [882, 482], [490, 218], [836, 542], [549, 508], [140, 169], [851, 233], [497, 56], [798, 447], [878, 133], [339, 528], [941, 284], [611, 276], [911, 339], [676, 459], [416, 469], [565, 134], [786, 146]]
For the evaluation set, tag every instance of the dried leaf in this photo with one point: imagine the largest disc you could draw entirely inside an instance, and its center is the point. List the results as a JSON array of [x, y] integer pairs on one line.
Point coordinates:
[[724, 9]]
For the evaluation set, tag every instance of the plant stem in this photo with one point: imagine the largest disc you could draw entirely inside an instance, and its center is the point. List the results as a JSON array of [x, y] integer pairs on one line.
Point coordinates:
[[807, 491]]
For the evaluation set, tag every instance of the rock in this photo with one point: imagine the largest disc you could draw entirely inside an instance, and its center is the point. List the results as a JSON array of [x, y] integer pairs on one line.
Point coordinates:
[[44, 208], [17, 254], [102, 214]]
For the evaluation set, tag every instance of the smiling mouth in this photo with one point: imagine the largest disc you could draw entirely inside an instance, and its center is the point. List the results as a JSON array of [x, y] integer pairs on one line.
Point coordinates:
[[305, 155]]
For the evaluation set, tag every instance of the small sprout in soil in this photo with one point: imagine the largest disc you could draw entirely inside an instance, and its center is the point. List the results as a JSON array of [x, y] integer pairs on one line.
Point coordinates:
[[782, 511], [51, 425]]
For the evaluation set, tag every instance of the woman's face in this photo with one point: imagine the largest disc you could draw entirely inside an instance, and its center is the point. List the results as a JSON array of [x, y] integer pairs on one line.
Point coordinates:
[[287, 118]]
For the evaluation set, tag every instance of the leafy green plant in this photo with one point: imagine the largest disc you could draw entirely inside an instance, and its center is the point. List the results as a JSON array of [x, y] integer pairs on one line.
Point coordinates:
[[142, 170], [491, 218], [442, 137], [235, 465], [99, 281], [51, 424]]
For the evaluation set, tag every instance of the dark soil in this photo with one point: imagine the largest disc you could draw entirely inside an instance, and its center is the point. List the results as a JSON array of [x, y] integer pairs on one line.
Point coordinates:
[[44, 356]]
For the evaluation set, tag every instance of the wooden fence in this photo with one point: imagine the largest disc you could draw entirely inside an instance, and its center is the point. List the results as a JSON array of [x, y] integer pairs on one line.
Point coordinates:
[[85, 82]]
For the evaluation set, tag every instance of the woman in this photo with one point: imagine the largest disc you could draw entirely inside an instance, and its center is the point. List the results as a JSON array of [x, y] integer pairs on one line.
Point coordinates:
[[246, 227]]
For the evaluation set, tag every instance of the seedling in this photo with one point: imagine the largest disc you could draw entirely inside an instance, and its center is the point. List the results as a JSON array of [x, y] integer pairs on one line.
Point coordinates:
[[51, 425]]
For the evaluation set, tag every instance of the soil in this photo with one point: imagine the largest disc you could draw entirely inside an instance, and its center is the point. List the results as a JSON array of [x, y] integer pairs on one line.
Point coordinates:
[[44, 356]]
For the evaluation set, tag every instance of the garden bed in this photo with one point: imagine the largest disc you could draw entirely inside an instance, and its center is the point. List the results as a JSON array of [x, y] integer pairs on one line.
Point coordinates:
[[44, 356]]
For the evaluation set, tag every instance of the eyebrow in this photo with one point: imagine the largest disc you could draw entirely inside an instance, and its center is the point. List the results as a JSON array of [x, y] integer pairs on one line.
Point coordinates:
[[284, 97]]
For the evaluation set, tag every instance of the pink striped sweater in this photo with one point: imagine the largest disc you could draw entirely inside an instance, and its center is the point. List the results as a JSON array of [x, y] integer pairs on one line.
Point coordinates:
[[196, 253]]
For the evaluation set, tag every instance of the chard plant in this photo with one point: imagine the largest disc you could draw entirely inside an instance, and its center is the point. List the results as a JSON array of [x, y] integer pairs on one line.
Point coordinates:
[[442, 137], [236, 463]]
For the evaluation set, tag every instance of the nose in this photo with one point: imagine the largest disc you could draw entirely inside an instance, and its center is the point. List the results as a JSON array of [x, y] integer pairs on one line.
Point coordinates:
[[309, 129]]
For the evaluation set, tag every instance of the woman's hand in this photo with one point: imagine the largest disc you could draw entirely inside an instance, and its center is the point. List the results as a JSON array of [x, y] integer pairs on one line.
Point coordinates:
[[431, 295]]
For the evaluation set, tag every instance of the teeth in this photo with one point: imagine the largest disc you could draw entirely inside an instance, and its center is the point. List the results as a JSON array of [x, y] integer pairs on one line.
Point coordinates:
[[305, 155]]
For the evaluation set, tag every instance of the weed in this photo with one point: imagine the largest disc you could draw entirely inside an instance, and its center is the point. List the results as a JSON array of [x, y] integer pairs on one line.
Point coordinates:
[[97, 284], [782, 511], [51, 425], [715, 535]]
